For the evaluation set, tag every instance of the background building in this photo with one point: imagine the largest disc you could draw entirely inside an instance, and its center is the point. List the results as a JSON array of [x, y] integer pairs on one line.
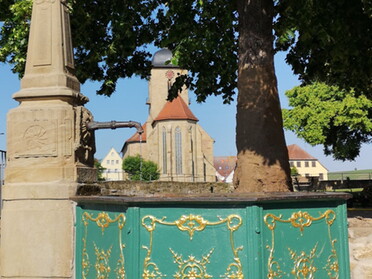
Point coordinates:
[[306, 165], [113, 166], [173, 138]]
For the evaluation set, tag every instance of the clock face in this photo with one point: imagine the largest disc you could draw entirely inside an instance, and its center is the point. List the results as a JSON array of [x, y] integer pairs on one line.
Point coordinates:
[[169, 74]]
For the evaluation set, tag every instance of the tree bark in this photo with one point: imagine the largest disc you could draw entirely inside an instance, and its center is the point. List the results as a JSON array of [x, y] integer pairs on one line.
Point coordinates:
[[262, 164]]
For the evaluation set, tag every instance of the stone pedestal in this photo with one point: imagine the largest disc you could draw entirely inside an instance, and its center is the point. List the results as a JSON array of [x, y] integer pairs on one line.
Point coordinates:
[[50, 151]]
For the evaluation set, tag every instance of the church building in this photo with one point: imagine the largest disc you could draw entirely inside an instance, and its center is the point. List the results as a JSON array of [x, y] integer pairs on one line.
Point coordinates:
[[173, 138]]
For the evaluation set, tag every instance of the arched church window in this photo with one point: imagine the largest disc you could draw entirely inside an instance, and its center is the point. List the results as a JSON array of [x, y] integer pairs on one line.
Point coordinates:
[[178, 145], [164, 138]]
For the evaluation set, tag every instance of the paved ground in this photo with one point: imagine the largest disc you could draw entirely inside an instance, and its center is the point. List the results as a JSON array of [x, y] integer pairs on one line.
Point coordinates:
[[360, 243]]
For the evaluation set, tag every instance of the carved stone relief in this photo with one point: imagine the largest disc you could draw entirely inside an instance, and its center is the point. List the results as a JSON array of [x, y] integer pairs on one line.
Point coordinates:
[[85, 144], [39, 139]]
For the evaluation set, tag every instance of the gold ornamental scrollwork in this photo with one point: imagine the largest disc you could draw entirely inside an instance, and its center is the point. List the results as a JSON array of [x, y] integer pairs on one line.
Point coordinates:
[[102, 262], [191, 268], [103, 221], [299, 219], [192, 223], [303, 264]]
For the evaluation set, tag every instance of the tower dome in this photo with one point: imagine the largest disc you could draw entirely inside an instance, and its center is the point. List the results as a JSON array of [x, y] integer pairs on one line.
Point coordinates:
[[161, 59]]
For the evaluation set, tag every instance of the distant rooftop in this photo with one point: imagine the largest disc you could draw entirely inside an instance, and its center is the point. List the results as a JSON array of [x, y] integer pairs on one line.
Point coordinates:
[[297, 153]]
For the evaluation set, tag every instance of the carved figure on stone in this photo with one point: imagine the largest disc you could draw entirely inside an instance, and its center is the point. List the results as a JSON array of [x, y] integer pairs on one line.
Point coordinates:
[[85, 142]]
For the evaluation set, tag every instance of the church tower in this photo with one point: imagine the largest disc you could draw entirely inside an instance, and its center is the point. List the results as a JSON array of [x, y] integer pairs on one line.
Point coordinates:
[[173, 139]]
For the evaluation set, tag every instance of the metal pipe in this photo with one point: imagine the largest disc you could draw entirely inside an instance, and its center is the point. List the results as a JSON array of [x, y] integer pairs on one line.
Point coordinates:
[[94, 125]]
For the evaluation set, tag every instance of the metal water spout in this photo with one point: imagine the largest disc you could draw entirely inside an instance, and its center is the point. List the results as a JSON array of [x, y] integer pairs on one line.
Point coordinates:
[[94, 125]]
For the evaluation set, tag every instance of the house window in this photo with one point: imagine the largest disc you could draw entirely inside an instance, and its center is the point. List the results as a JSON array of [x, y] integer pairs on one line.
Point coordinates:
[[299, 164], [291, 164], [321, 176], [178, 143], [164, 137], [117, 161], [306, 164], [108, 162], [313, 164], [307, 175]]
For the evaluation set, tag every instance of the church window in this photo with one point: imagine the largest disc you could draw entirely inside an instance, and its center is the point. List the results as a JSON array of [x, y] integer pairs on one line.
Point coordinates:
[[178, 143], [164, 137]]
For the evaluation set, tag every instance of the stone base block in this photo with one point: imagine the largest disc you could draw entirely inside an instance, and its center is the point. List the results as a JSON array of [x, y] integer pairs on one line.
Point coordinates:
[[37, 239]]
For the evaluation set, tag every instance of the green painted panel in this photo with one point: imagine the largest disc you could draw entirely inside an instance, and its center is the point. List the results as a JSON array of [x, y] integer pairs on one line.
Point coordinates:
[[270, 240], [102, 243], [193, 243], [302, 242]]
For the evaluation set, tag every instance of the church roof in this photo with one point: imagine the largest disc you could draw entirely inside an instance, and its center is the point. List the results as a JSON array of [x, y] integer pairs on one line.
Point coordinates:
[[176, 110], [136, 136], [297, 153], [161, 59]]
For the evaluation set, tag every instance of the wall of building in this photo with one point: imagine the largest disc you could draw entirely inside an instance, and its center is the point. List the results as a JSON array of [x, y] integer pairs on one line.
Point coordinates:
[[312, 168], [113, 166]]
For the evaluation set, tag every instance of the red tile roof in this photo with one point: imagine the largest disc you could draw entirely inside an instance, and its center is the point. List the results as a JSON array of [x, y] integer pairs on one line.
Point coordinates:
[[136, 136], [224, 165], [297, 153], [176, 110]]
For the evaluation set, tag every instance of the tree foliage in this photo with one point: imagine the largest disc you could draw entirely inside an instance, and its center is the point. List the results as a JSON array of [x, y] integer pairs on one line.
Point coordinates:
[[110, 38], [99, 169], [339, 119], [294, 171], [327, 41], [139, 169]]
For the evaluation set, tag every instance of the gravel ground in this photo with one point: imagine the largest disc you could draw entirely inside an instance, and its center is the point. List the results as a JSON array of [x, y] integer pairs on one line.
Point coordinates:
[[360, 243]]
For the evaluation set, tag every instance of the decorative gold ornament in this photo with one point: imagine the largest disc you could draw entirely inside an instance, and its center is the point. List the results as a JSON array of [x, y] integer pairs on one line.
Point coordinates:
[[192, 223], [299, 219], [303, 263], [102, 262], [103, 221], [191, 268]]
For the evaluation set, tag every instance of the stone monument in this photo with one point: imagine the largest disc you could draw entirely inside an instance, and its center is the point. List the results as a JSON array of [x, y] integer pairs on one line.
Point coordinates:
[[50, 151]]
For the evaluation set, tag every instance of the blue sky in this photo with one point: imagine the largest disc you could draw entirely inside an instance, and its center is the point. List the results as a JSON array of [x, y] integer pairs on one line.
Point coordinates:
[[128, 103]]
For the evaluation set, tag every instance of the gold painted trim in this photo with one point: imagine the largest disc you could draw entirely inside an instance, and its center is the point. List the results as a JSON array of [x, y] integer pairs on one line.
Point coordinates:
[[303, 265], [192, 223], [299, 219], [103, 221], [191, 268]]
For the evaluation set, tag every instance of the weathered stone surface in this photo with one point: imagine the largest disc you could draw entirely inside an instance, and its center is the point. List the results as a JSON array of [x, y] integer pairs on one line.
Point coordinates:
[[360, 245], [50, 150], [39, 237], [140, 188]]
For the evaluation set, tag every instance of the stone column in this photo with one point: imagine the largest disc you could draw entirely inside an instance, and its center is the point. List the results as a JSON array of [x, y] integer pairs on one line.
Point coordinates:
[[50, 152]]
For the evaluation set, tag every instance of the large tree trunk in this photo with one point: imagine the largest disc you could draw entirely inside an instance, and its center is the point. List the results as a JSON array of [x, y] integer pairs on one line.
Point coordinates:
[[262, 164]]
